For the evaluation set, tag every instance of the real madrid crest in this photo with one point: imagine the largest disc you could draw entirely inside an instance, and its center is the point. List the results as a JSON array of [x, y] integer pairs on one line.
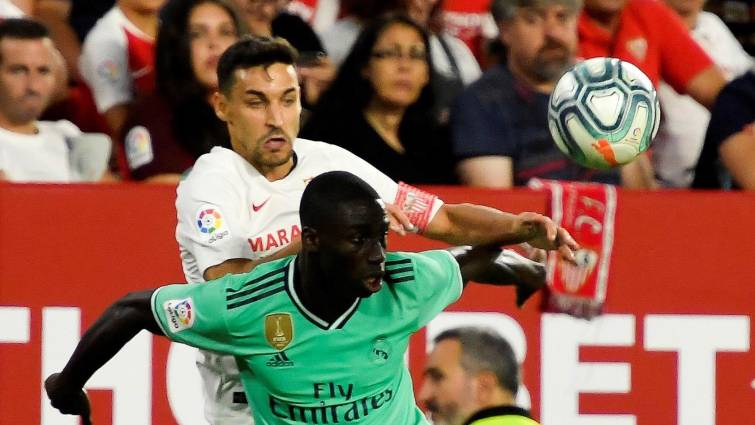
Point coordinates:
[[380, 351], [279, 330]]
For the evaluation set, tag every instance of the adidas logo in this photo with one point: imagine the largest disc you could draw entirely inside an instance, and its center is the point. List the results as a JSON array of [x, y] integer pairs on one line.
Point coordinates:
[[279, 360]]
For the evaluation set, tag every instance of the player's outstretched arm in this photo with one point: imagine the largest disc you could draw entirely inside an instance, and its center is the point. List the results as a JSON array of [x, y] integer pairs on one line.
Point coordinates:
[[467, 224], [120, 322], [500, 267]]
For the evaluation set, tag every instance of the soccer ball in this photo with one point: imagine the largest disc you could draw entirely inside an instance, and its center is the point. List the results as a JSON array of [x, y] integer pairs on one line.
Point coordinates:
[[603, 113]]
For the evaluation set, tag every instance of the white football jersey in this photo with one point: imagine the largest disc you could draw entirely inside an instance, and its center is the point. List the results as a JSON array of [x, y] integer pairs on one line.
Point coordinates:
[[41, 157], [115, 57], [227, 209]]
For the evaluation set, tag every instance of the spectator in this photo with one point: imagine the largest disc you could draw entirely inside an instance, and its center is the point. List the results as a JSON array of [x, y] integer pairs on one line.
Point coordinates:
[[340, 37], [650, 35], [32, 150], [500, 125], [169, 129], [470, 21], [380, 106], [472, 378], [728, 156], [453, 62], [117, 59], [677, 147]]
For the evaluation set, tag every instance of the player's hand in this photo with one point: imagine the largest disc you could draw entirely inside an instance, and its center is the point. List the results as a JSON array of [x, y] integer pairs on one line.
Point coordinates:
[[544, 234], [67, 400], [399, 221]]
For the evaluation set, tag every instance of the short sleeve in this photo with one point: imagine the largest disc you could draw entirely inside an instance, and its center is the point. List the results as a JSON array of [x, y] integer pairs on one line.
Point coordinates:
[[437, 282], [194, 314], [104, 66], [476, 130], [210, 221], [682, 59]]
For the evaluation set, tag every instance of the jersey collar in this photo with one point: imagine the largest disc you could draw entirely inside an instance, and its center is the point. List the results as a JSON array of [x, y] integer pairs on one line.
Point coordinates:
[[336, 324]]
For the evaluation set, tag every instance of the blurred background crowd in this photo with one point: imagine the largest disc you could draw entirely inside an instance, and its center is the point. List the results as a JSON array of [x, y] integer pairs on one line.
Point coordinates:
[[428, 91]]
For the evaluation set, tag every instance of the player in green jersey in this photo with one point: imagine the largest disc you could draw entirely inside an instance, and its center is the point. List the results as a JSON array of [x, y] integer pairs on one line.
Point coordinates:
[[319, 337]]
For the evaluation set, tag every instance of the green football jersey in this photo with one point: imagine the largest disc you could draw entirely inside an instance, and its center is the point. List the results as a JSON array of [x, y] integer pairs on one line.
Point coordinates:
[[300, 369]]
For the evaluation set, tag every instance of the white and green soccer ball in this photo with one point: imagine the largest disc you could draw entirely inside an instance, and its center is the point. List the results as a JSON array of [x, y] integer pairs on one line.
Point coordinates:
[[603, 113]]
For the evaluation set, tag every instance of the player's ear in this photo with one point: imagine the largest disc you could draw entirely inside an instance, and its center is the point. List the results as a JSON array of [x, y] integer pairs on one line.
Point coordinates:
[[309, 239], [220, 104]]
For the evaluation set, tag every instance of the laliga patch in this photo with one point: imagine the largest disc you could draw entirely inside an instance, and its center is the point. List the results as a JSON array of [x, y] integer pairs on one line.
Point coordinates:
[[211, 223], [109, 71], [138, 147], [180, 314]]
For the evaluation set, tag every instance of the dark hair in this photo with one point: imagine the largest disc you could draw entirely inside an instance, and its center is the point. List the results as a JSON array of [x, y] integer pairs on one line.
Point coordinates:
[[174, 74], [485, 350], [328, 190], [193, 120], [253, 51], [22, 29], [369, 9], [505, 10], [350, 91]]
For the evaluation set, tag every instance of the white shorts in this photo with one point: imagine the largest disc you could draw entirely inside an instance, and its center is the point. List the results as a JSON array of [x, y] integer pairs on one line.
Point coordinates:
[[224, 397]]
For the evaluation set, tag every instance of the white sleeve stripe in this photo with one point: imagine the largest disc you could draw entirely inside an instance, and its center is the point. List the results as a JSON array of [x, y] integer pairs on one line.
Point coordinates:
[[152, 301]]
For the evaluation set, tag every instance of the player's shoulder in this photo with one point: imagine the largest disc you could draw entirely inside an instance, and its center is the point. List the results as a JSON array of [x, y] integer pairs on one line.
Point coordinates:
[[259, 288], [62, 128], [217, 171], [405, 266], [317, 148]]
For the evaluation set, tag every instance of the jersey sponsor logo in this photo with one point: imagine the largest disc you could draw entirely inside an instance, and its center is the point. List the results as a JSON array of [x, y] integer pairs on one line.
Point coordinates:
[[348, 410], [279, 360], [380, 351], [180, 314], [210, 222], [138, 147], [258, 207], [279, 330], [275, 239]]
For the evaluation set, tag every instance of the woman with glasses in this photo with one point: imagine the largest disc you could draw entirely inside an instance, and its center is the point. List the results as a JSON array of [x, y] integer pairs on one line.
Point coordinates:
[[381, 105]]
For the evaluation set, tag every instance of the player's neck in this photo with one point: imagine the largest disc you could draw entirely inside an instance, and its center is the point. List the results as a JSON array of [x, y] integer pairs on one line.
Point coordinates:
[[314, 291]]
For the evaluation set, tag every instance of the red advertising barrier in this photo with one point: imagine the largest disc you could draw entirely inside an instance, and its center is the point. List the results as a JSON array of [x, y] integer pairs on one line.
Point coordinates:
[[673, 346]]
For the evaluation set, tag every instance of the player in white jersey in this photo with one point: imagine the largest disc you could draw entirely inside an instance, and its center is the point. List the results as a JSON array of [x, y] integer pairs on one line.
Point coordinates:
[[239, 207]]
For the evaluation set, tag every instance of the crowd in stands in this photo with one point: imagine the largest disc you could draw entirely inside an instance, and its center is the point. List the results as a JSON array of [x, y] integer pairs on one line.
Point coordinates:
[[428, 91]]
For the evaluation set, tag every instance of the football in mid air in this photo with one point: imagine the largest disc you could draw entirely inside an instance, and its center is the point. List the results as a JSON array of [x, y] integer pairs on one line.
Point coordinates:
[[603, 113]]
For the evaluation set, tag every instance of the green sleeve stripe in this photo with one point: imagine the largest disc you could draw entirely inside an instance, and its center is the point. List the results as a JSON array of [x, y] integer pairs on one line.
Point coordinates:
[[258, 279], [402, 270], [260, 287], [390, 279], [153, 301], [397, 262], [256, 298]]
